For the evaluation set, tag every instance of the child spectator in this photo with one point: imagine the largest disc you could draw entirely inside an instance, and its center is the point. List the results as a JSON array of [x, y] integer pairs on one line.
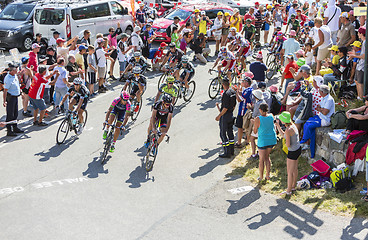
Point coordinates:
[[158, 57], [92, 69]]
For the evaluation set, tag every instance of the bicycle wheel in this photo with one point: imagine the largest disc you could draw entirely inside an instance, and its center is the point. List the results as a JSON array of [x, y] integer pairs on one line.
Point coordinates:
[[107, 147], [214, 88], [272, 72], [151, 155], [187, 96], [161, 80], [63, 131], [136, 113], [270, 59]]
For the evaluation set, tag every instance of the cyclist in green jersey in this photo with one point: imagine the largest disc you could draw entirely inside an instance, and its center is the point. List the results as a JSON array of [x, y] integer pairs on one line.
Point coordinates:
[[168, 88]]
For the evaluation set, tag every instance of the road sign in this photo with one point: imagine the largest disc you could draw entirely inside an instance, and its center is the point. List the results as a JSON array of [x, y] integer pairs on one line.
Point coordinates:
[[360, 11]]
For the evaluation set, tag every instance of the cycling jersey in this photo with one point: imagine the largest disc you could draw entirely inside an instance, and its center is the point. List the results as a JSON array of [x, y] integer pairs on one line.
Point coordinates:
[[226, 56], [141, 63], [173, 91], [119, 109], [244, 43], [140, 80], [162, 112], [188, 68], [232, 37], [177, 55], [83, 91]]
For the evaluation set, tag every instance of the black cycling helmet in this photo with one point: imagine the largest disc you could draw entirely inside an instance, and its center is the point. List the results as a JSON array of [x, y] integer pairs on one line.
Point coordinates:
[[167, 98], [172, 45]]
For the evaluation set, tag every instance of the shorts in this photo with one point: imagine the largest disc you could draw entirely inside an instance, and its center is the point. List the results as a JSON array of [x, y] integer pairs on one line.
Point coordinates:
[[38, 104], [122, 66], [315, 51], [232, 64], [163, 122], [239, 121], [265, 147], [101, 71], [183, 74], [294, 155], [359, 76], [267, 27], [254, 134], [323, 53], [217, 37], [91, 77], [119, 114], [25, 90], [84, 104], [114, 54], [245, 52]]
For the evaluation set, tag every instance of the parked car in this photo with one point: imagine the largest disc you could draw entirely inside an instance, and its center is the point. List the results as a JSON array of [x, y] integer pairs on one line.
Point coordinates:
[[16, 29], [242, 5], [72, 19], [184, 13]]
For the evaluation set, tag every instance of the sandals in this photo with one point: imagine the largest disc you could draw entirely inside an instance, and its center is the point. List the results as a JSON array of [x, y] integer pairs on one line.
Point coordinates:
[[365, 198], [286, 193], [237, 145]]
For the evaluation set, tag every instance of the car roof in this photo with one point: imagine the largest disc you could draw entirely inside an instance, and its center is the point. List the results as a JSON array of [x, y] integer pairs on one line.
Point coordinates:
[[205, 6], [71, 3]]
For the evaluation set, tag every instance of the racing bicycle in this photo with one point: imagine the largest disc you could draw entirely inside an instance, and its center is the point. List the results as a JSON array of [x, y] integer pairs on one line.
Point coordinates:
[[134, 101], [170, 71], [215, 86], [70, 123], [109, 139]]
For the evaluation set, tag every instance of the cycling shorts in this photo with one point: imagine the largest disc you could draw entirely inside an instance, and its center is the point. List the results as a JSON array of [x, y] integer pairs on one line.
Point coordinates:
[[232, 64], [84, 104], [183, 74], [119, 114], [245, 52], [163, 120]]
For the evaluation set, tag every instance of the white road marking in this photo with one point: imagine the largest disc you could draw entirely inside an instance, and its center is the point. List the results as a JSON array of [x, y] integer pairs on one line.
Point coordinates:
[[241, 189]]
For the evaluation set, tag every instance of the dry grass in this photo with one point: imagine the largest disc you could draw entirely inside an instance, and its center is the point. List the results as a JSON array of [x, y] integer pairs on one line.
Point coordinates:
[[348, 203]]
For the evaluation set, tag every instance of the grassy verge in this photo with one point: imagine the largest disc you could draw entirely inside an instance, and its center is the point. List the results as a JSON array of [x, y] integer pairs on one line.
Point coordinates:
[[348, 203]]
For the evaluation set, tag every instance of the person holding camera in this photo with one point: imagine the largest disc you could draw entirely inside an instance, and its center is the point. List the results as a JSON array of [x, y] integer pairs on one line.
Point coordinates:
[[199, 48]]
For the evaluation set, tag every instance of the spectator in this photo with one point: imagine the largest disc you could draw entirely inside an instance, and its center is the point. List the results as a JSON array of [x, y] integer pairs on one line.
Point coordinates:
[[267, 24], [73, 68], [250, 15], [258, 68], [358, 118], [331, 18], [291, 45], [36, 94], [101, 62], [25, 78], [244, 97], [359, 75], [216, 29], [258, 23], [292, 11], [113, 43], [86, 38], [312, 11], [175, 37], [141, 15], [194, 21], [291, 136], [308, 54], [187, 37], [277, 16], [235, 20], [33, 59], [356, 50], [79, 59], [324, 43], [300, 17], [123, 52], [52, 42], [199, 48], [169, 30], [264, 127], [203, 21], [51, 63], [355, 23], [63, 51], [225, 28], [42, 42], [323, 119], [266, 94], [91, 69], [344, 7], [10, 99], [287, 73], [340, 71], [346, 34], [137, 42], [148, 36], [159, 57], [61, 85]]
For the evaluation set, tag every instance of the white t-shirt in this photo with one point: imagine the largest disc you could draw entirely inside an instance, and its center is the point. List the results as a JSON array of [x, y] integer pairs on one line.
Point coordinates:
[[52, 42], [313, 33], [312, 13], [137, 41], [329, 13], [328, 103], [101, 59], [309, 58], [216, 25], [122, 57]]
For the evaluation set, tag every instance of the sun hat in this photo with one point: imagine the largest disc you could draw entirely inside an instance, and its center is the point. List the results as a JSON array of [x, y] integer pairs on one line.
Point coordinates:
[[258, 94], [300, 52], [334, 48], [300, 62], [227, 14], [59, 40], [292, 33], [236, 11], [273, 88], [285, 117], [24, 59], [219, 13], [319, 80], [259, 55], [356, 44]]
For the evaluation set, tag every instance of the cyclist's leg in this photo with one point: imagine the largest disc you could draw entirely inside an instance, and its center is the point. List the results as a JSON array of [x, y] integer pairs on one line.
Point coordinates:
[[139, 93], [72, 102], [81, 110], [163, 130], [119, 122]]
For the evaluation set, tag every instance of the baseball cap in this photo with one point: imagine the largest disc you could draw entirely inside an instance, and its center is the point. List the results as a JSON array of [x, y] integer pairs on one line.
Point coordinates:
[[319, 80], [262, 85], [100, 40], [300, 52], [300, 62], [137, 29], [273, 89], [290, 55], [35, 45], [148, 25], [203, 13], [247, 79], [334, 48], [219, 13], [305, 68], [292, 16], [196, 11], [82, 47], [233, 29], [227, 14], [24, 59], [269, 7], [56, 32], [59, 40], [292, 33], [356, 44], [248, 20], [163, 44], [256, 3], [345, 14]]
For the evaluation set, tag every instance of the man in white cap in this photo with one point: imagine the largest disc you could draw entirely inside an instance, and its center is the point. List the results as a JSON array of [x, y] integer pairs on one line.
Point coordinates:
[[136, 39]]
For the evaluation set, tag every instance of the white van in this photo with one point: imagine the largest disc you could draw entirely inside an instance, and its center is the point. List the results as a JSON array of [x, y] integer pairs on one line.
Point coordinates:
[[72, 18]]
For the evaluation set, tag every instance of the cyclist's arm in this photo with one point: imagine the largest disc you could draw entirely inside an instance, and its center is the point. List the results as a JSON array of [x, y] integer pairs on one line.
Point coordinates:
[[127, 68], [214, 65], [125, 85], [153, 119], [126, 118], [186, 76], [169, 117], [108, 113], [79, 104]]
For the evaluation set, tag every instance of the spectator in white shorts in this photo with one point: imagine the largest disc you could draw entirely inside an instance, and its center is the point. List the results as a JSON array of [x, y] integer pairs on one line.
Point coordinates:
[[324, 43], [216, 29], [101, 64]]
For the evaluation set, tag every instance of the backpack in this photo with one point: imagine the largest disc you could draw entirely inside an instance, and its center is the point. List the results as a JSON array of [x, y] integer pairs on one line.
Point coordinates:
[[313, 178], [275, 105], [338, 120], [96, 55], [168, 31]]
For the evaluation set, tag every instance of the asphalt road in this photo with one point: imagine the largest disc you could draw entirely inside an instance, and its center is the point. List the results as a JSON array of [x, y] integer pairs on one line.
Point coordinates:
[[50, 191]]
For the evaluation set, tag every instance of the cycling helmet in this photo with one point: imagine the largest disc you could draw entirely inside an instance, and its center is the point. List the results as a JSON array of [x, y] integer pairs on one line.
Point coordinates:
[[170, 79], [223, 49], [172, 45], [137, 54], [124, 95], [280, 34], [78, 81], [238, 37], [185, 59], [278, 28], [167, 98], [233, 29], [136, 70], [311, 24]]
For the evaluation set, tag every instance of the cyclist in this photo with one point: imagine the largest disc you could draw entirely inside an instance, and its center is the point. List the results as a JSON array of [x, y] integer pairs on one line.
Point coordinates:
[[79, 95], [249, 31], [163, 112], [280, 39], [138, 81], [119, 108], [232, 35], [168, 88], [243, 52], [174, 56], [136, 61], [188, 72], [227, 61]]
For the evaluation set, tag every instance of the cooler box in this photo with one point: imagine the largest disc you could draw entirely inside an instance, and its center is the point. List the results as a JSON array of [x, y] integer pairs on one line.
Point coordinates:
[[322, 168]]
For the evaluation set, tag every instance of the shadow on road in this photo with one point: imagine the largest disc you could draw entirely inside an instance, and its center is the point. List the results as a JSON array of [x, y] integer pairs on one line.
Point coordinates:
[[95, 168], [244, 202], [56, 150], [301, 221], [211, 103], [355, 227], [138, 176]]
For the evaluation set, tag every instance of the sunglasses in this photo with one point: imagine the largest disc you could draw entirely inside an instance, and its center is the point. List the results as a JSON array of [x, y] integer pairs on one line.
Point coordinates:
[[167, 104], [124, 100], [170, 83]]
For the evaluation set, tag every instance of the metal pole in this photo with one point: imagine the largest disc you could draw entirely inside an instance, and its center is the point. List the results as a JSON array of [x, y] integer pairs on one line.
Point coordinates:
[[366, 57]]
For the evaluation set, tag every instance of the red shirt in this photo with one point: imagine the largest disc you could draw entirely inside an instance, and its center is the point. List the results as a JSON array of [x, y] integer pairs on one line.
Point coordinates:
[[250, 16], [302, 18], [37, 87], [287, 69], [33, 61], [158, 55]]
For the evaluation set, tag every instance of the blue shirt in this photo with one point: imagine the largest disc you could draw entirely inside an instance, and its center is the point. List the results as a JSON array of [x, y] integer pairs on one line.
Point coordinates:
[[11, 83], [246, 98], [266, 131], [258, 69], [291, 46]]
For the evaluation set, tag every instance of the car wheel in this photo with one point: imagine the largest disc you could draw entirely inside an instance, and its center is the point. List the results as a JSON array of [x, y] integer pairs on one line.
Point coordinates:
[[129, 30], [27, 43]]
